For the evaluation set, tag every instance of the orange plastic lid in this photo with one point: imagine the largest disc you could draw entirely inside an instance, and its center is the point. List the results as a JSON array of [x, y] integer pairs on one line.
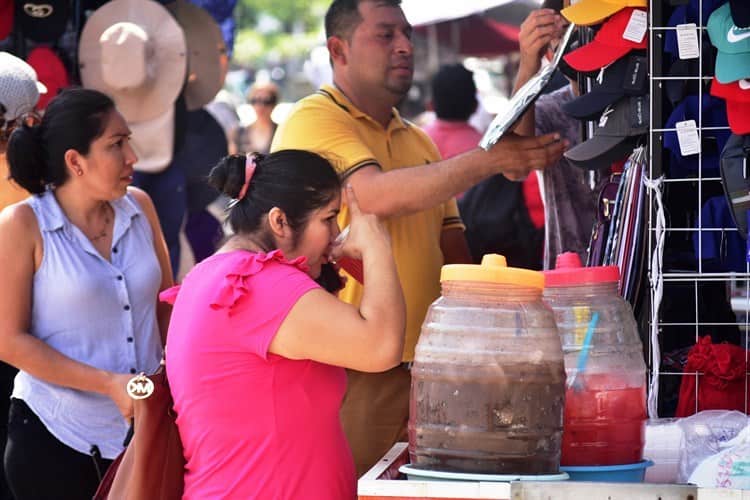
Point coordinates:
[[494, 269]]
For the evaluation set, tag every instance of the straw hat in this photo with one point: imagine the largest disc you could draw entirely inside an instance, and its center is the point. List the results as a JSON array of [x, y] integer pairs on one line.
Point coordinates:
[[207, 53], [135, 52], [153, 142]]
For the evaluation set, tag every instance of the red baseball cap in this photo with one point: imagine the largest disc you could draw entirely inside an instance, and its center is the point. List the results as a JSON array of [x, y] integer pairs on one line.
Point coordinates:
[[6, 18], [608, 44], [737, 95], [51, 72]]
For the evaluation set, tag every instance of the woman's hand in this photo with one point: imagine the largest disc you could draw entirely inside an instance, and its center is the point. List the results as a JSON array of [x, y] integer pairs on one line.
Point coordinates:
[[366, 233], [118, 392]]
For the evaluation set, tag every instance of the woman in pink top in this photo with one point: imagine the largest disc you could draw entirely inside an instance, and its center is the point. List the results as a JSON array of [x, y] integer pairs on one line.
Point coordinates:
[[257, 348]]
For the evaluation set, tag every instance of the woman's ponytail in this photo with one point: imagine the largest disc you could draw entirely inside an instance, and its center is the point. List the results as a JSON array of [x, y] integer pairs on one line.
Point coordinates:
[[26, 158]]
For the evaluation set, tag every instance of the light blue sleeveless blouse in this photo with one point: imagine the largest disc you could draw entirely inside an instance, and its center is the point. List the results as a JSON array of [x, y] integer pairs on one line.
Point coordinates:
[[97, 312]]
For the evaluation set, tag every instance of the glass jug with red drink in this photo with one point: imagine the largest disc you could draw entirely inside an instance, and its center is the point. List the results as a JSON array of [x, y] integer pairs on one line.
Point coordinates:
[[605, 397]]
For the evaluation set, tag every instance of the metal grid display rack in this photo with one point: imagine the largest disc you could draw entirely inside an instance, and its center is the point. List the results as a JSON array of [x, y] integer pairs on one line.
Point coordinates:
[[689, 295]]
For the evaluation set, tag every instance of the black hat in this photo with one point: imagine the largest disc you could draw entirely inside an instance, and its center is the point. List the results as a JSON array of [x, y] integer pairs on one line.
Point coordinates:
[[626, 76], [620, 127], [740, 13], [42, 20], [734, 177]]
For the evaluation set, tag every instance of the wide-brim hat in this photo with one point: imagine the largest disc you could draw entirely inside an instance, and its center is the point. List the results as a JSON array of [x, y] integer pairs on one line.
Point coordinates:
[[207, 53], [153, 142], [51, 72], [135, 52]]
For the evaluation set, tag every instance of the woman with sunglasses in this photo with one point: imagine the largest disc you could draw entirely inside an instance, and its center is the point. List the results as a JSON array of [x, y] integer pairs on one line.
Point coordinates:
[[83, 260], [257, 136]]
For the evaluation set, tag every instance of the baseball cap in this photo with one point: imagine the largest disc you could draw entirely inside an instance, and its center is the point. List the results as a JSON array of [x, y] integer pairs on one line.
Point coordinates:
[[19, 88], [734, 179], [608, 44], [42, 20], [620, 126], [6, 18], [740, 13], [733, 44], [737, 96], [712, 114], [588, 12], [626, 76], [678, 88], [51, 72]]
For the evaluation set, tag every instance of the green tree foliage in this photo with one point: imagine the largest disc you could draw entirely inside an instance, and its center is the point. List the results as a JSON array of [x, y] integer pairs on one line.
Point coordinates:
[[309, 13], [300, 24]]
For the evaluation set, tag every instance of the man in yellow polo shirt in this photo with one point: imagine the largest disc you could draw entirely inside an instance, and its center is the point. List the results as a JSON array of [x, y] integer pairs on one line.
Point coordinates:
[[397, 174]]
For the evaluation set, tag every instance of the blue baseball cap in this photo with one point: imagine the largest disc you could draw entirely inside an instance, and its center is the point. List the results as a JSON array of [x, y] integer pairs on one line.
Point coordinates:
[[626, 76], [686, 14], [733, 44], [713, 114], [721, 251]]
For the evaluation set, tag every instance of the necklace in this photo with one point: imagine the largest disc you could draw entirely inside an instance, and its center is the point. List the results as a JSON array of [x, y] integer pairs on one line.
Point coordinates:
[[103, 232]]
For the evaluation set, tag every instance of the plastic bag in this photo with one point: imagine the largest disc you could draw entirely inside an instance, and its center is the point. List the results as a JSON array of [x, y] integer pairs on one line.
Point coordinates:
[[729, 468], [704, 435]]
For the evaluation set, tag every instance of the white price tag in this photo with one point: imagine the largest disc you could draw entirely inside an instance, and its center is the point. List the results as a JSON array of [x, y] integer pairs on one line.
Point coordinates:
[[637, 26], [687, 41], [687, 136]]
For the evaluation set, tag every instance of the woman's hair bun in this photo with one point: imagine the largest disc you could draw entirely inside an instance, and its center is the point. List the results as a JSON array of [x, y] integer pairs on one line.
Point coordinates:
[[26, 158]]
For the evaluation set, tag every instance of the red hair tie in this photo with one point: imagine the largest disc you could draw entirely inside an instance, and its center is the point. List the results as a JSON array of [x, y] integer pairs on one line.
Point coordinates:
[[249, 171]]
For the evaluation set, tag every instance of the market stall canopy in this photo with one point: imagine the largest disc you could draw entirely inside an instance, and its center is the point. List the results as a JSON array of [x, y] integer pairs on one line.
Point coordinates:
[[477, 36], [424, 12], [481, 28]]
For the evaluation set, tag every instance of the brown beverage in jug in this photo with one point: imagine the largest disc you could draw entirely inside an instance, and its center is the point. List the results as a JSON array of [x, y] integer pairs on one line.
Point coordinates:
[[488, 377]]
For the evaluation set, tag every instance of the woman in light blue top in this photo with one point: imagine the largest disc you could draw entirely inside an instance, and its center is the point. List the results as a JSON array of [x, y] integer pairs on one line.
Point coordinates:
[[83, 260]]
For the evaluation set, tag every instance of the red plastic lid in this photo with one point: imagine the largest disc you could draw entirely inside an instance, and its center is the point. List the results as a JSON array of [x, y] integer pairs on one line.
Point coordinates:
[[569, 271]]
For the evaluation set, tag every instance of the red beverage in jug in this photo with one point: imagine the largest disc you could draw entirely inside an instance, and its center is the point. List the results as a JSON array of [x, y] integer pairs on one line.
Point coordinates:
[[604, 422]]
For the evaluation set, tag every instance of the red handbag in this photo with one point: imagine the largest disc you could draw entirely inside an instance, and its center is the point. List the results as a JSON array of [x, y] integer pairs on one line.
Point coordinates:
[[152, 466]]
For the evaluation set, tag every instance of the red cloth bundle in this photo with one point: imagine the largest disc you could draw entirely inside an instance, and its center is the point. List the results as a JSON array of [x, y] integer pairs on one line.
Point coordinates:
[[721, 378]]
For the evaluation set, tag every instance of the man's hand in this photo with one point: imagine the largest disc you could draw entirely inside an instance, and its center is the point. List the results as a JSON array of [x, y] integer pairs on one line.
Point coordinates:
[[537, 32], [517, 156]]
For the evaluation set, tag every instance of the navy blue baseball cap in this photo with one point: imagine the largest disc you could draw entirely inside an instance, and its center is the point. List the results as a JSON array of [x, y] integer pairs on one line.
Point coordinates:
[[677, 88], [626, 76], [713, 114]]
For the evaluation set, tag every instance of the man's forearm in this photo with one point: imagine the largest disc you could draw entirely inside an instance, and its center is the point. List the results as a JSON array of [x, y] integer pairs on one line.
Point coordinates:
[[408, 190]]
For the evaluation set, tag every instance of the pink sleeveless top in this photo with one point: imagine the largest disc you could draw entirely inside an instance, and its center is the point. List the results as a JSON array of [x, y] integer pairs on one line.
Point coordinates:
[[253, 424]]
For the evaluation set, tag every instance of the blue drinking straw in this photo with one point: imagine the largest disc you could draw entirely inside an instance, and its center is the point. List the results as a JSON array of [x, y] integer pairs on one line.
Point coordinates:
[[584, 354]]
